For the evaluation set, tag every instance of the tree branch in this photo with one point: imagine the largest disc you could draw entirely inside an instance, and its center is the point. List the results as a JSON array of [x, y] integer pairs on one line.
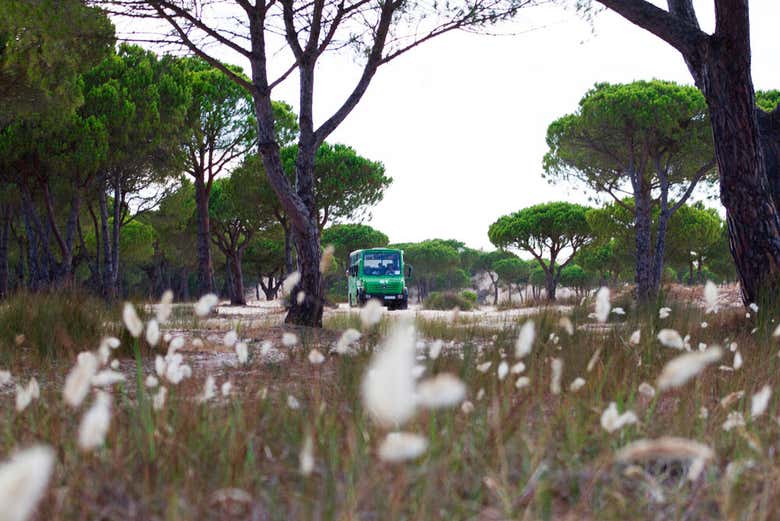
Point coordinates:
[[674, 30]]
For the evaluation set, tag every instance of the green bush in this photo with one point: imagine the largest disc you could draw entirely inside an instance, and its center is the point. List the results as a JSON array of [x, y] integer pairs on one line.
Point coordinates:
[[469, 295], [52, 325], [446, 301]]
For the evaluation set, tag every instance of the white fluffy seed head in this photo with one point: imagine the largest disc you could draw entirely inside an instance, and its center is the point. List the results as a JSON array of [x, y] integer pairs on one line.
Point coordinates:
[[681, 369], [107, 377], [737, 364], [636, 337], [503, 370], [402, 446], [242, 352], [315, 357], [306, 457], [577, 384], [671, 338], [711, 297], [440, 391], [567, 325], [209, 389], [646, 390], [205, 304], [79, 379], [734, 420], [388, 388], [518, 368], [435, 349], [290, 282], [26, 394], [612, 421], [760, 401], [165, 307], [522, 382], [346, 340], [289, 339], [371, 313], [131, 320], [152, 332], [555, 379], [23, 481], [95, 423], [158, 400], [525, 339], [602, 304]]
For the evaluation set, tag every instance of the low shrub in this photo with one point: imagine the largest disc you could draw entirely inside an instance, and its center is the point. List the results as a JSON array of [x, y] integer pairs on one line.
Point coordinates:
[[469, 295], [446, 301]]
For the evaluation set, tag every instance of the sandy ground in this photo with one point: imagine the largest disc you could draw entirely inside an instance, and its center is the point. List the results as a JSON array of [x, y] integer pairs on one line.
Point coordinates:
[[266, 314]]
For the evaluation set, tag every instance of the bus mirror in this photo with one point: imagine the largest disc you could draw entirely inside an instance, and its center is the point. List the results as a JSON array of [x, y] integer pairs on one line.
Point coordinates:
[[408, 271]]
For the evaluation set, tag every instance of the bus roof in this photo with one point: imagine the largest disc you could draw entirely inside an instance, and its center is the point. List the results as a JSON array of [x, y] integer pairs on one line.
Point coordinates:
[[375, 249]]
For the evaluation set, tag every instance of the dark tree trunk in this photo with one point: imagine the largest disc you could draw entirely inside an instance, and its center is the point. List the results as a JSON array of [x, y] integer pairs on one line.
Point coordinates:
[[109, 289], [753, 223], [237, 297], [205, 264], [185, 284], [92, 263], [288, 253], [33, 266], [5, 232], [20, 243], [70, 237], [660, 252], [494, 282], [115, 231], [309, 310], [642, 226], [550, 285]]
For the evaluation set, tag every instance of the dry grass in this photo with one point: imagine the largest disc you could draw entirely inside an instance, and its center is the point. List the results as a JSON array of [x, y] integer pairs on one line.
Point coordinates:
[[520, 454]]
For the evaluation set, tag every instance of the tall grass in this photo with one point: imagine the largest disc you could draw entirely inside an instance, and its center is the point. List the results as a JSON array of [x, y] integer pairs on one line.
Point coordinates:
[[520, 454], [51, 325]]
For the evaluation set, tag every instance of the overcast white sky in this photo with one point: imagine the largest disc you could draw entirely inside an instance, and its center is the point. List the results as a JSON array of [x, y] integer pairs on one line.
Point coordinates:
[[460, 122]]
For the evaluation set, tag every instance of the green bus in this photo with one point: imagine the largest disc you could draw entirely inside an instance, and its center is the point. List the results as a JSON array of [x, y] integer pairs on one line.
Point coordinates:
[[378, 273]]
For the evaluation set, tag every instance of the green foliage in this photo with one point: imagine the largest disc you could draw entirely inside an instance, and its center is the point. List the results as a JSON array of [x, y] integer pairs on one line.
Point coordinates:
[[142, 101], [574, 276], [44, 46], [347, 238], [544, 230], [512, 271], [619, 130], [430, 258], [264, 255], [767, 100], [447, 300], [469, 295], [136, 242], [173, 223], [694, 234], [220, 122], [346, 185]]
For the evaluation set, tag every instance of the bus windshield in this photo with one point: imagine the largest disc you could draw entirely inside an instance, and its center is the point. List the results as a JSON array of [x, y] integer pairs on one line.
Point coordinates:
[[382, 263]]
